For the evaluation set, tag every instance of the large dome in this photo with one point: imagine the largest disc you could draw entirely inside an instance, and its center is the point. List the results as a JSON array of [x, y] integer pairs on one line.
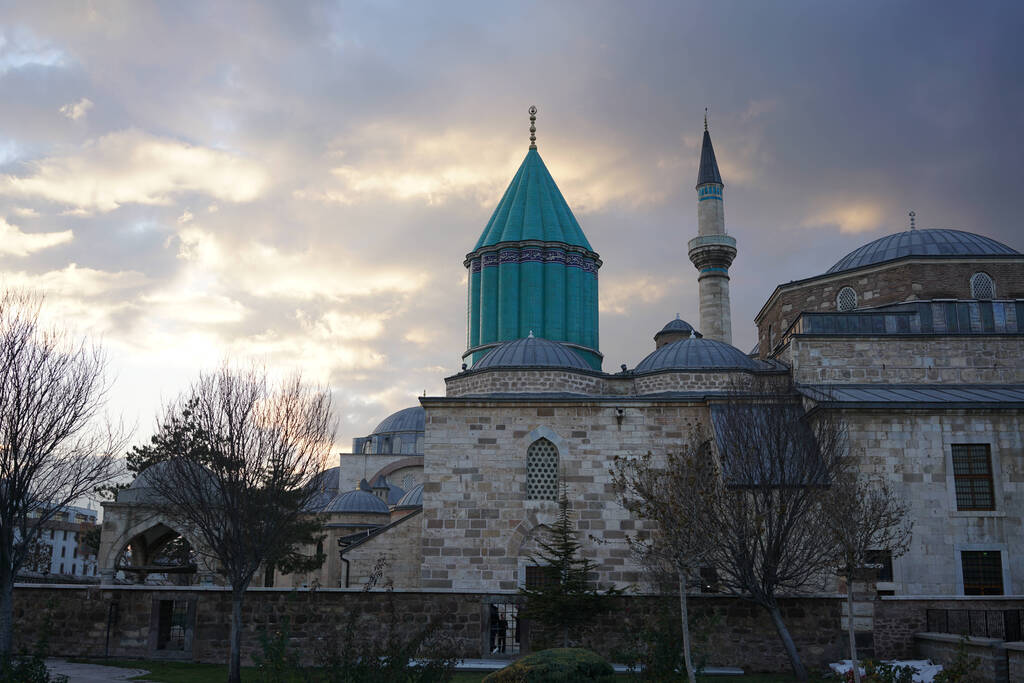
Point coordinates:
[[357, 502], [931, 242], [406, 420], [532, 352], [697, 354]]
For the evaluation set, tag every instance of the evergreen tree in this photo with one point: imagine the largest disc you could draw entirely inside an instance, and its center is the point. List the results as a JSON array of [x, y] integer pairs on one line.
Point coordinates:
[[566, 598]]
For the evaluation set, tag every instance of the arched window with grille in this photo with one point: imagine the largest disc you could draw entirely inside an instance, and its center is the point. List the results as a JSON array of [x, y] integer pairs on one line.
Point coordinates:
[[983, 286], [846, 300], [542, 471]]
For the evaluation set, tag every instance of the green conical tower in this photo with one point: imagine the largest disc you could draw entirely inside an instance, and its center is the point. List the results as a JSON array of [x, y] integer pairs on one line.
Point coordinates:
[[533, 270]]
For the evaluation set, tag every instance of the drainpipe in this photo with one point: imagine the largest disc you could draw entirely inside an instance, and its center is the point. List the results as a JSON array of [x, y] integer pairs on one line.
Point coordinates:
[[341, 556]]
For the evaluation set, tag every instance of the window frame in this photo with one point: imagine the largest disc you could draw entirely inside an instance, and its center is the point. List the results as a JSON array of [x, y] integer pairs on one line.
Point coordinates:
[[991, 283], [971, 451], [553, 496], [997, 478], [1004, 558], [839, 296]]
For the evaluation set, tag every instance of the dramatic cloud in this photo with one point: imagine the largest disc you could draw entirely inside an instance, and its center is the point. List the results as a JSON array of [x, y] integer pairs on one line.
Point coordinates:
[[297, 184], [135, 167]]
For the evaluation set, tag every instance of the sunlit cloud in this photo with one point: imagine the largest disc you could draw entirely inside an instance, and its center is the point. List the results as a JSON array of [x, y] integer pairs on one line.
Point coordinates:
[[136, 167], [621, 294], [849, 217], [26, 212], [14, 242], [77, 110]]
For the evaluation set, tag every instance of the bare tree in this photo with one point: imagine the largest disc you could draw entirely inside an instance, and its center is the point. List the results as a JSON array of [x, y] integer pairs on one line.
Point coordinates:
[[54, 448], [865, 516], [679, 493], [237, 455], [771, 532]]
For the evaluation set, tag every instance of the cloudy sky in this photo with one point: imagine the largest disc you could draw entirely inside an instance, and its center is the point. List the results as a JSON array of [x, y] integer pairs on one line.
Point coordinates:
[[298, 182]]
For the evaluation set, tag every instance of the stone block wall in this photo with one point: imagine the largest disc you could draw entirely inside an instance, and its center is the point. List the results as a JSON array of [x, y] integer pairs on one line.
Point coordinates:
[[478, 524], [541, 380], [898, 619], [1015, 661], [883, 284], [400, 546], [912, 450], [974, 359], [942, 648], [734, 632]]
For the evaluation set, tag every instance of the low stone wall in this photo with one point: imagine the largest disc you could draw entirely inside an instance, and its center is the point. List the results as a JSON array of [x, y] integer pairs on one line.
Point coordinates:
[[735, 632], [942, 648], [1015, 661], [898, 619]]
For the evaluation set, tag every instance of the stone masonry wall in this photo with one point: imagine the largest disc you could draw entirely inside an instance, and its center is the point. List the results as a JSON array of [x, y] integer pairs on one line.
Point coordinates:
[[733, 632], [942, 648], [525, 381], [478, 525], [885, 284], [400, 546], [971, 359], [897, 619], [912, 450]]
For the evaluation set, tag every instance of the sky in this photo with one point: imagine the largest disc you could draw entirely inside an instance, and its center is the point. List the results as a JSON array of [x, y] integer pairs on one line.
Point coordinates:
[[296, 184]]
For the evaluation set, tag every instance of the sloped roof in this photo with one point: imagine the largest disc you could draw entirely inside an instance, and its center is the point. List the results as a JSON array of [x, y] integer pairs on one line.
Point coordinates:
[[532, 208]]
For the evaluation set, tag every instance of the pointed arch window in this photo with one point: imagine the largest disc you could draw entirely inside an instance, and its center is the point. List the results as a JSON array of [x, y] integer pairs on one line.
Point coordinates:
[[846, 300], [542, 471], [983, 286]]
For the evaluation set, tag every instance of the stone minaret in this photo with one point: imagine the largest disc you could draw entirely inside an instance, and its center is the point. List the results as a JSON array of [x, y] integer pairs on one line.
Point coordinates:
[[712, 251]]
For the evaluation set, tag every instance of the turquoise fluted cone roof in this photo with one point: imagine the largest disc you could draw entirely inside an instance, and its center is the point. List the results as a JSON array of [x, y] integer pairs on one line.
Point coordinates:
[[532, 209]]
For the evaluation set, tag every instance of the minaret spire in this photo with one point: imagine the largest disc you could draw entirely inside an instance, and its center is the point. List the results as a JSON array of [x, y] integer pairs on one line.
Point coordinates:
[[712, 251], [533, 127]]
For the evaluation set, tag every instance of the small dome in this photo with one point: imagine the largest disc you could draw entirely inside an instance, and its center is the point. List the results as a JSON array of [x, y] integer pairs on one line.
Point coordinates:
[[697, 354], [357, 502], [678, 326], [406, 420], [142, 489], [412, 499], [532, 352], [930, 242]]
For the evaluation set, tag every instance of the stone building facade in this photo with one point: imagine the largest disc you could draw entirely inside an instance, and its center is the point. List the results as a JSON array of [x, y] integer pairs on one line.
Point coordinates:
[[916, 340]]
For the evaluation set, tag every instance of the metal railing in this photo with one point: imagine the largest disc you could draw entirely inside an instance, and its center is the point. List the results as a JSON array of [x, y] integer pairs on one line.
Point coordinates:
[[1004, 624]]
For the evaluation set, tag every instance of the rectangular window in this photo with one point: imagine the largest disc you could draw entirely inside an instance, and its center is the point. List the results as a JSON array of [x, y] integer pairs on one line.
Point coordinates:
[[983, 572], [172, 620], [881, 562], [539, 576], [972, 472], [73, 567]]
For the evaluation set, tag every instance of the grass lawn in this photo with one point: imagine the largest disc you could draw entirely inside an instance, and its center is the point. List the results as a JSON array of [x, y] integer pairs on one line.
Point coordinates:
[[190, 672]]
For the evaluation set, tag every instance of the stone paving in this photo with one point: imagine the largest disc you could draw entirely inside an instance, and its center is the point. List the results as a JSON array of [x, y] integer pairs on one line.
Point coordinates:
[[91, 673]]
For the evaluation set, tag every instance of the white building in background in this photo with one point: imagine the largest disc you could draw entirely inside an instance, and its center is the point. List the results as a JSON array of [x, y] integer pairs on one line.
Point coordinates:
[[63, 537]]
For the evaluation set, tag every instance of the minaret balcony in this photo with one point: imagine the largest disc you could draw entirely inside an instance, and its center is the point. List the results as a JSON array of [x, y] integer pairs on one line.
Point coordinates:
[[712, 251]]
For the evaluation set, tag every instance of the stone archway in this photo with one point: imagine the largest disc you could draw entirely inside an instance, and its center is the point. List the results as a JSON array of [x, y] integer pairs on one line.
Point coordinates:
[[148, 531]]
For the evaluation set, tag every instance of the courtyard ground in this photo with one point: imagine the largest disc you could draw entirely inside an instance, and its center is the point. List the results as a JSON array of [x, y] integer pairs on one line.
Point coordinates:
[[98, 671]]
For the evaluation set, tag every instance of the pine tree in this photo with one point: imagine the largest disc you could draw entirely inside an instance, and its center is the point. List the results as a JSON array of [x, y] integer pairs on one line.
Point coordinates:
[[566, 597]]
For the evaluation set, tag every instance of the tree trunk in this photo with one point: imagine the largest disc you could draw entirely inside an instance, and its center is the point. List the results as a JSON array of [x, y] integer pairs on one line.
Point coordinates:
[[6, 612], [691, 675], [787, 641], [849, 625], [235, 655]]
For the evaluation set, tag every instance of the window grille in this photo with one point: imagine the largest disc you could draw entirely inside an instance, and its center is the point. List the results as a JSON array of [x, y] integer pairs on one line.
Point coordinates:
[[504, 629], [982, 286], [538, 576], [972, 473], [542, 471], [983, 572], [846, 300]]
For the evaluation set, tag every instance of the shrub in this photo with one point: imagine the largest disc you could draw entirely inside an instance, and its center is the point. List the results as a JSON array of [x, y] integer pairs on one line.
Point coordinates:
[[962, 669], [559, 665]]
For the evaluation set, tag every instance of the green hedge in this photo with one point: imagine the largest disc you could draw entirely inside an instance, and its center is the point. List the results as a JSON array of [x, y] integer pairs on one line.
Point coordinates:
[[559, 665]]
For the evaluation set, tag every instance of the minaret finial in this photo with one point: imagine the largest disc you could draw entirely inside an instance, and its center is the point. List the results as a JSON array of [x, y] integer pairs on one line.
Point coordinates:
[[533, 127], [912, 215], [705, 119]]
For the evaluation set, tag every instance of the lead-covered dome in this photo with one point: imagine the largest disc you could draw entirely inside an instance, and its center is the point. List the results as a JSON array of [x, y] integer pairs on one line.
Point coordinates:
[[406, 420], [412, 499], [357, 502], [697, 354], [532, 352], [930, 242]]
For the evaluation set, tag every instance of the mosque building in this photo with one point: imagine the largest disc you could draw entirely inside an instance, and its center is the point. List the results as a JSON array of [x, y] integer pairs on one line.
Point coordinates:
[[915, 339]]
